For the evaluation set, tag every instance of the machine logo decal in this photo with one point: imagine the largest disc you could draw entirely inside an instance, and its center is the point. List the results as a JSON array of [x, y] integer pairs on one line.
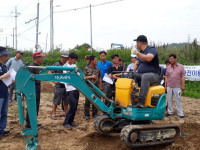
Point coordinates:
[[62, 77], [129, 109]]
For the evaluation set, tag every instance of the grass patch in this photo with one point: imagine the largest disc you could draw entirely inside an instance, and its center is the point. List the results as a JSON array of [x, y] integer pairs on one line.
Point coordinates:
[[192, 89]]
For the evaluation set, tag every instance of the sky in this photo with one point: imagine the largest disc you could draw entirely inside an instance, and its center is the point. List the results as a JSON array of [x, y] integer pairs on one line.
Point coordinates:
[[162, 21]]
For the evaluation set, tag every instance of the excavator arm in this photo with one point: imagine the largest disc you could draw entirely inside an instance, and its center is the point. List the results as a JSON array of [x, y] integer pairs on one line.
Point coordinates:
[[25, 87]]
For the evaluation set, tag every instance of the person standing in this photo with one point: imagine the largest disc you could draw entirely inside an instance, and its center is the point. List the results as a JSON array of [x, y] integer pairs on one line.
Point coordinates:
[[60, 92], [133, 59], [92, 72], [3, 91], [103, 65], [115, 67], [120, 62], [148, 71], [15, 63], [38, 58], [73, 95], [174, 84], [167, 63], [87, 59]]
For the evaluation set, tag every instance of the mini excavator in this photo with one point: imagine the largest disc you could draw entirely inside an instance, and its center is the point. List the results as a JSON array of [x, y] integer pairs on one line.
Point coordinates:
[[135, 125]]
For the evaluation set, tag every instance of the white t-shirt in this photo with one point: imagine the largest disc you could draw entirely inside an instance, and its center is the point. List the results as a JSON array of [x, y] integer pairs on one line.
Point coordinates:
[[69, 87], [130, 67]]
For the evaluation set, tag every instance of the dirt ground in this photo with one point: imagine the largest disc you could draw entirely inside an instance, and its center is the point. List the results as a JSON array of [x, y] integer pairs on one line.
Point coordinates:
[[53, 136]]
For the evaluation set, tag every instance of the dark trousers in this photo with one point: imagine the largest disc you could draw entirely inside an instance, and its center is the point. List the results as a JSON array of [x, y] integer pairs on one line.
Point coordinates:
[[105, 87], [87, 108], [110, 94], [12, 87], [37, 92], [3, 113], [146, 80], [73, 103]]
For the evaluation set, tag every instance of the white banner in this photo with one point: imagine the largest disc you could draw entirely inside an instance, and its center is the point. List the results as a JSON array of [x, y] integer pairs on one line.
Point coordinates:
[[192, 73]]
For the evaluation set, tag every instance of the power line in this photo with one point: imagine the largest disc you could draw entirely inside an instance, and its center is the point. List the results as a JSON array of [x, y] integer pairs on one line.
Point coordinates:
[[33, 26], [106, 3], [27, 6], [19, 3], [74, 9], [21, 37], [33, 10], [7, 18]]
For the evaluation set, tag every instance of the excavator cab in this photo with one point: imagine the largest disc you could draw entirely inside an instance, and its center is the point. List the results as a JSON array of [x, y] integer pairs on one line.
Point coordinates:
[[127, 92]]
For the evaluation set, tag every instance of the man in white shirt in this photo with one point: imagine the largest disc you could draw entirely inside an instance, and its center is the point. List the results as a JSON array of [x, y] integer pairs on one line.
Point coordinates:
[[133, 59], [73, 95]]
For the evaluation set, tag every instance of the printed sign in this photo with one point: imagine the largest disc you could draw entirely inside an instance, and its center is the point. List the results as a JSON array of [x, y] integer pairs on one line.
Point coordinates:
[[192, 73]]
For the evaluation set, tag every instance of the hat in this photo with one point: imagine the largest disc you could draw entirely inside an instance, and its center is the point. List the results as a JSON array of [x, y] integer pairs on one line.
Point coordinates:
[[4, 51], [87, 57], [133, 56], [114, 55], [20, 52], [120, 59], [38, 54], [141, 38], [64, 54]]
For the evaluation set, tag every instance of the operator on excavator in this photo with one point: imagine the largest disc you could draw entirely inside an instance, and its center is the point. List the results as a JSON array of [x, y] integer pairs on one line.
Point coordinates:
[[148, 70]]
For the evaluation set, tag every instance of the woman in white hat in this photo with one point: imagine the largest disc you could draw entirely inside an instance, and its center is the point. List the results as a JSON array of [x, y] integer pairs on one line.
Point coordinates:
[[133, 59]]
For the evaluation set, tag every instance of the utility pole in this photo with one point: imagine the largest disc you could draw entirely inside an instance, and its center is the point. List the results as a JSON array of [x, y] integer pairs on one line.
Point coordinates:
[[188, 38], [51, 27], [13, 37], [91, 26], [46, 43], [37, 27], [16, 15]]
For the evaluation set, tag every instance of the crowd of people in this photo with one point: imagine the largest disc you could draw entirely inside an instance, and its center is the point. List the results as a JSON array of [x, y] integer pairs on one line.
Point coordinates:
[[145, 64]]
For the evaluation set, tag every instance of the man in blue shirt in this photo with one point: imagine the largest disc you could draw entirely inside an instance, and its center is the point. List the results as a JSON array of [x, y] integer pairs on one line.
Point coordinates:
[[15, 63], [103, 65], [148, 70], [3, 91]]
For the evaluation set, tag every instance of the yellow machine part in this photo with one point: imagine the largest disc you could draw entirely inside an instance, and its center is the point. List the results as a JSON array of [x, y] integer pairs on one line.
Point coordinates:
[[124, 87], [158, 89]]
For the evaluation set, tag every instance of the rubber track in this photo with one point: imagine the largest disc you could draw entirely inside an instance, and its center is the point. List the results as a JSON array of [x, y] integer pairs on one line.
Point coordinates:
[[124, 136], [97, 123]]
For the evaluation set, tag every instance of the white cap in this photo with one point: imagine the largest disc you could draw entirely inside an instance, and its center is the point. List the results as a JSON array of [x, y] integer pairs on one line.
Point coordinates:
[[132, 55], [64, 54]]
